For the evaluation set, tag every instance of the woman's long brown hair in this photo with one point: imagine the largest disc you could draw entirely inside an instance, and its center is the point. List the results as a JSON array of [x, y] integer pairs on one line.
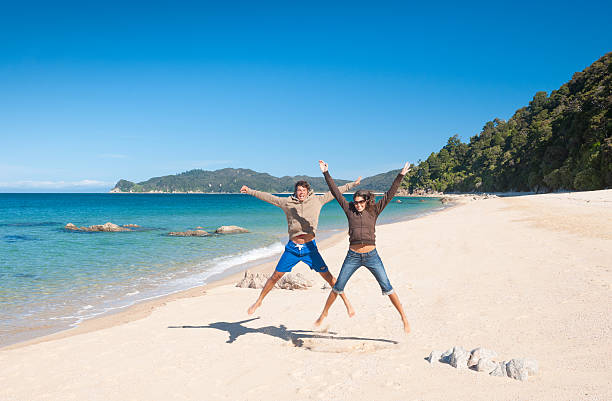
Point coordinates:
[[369, 196]]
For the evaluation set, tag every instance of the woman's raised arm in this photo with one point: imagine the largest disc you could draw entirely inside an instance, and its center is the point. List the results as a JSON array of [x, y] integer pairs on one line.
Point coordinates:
[[333, 187], [384, 201]]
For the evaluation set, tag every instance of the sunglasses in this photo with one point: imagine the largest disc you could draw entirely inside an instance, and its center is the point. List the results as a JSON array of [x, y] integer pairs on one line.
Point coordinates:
[[360, 202]]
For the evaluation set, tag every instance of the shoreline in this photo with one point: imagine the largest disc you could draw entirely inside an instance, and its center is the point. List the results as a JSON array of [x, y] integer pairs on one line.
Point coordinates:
[[144, 308]]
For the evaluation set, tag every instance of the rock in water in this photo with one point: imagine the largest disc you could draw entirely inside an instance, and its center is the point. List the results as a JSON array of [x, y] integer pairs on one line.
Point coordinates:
[[108, 227], [480, 353], [434, 356], [231, 230], [500, 370], [459, 358], [188, 233], [292, 281], [486, 365]]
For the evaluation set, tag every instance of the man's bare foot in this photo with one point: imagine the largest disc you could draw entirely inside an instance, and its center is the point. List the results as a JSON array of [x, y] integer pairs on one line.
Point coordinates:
[[320, 320], [253, 308], [406, 327]]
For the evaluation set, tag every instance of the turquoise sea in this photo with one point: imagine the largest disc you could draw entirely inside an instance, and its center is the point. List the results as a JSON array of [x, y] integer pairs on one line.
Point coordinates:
[[52, 278]]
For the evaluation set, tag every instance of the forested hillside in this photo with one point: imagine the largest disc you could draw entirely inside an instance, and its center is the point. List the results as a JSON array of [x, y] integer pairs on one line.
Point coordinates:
[[560, 141], [224, 180]]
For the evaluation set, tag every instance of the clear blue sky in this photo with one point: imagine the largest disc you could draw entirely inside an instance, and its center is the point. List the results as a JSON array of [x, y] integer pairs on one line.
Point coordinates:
[[91, 93]]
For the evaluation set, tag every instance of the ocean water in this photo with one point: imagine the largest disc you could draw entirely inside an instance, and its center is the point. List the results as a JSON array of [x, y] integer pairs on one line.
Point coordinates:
[[52, 278]]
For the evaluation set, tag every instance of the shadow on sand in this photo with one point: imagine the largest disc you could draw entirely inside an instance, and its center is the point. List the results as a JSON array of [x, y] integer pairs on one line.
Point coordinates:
[[236, 329]]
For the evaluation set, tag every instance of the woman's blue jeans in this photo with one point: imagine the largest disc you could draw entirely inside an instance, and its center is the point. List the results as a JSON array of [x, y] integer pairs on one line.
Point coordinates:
[[371, 260]]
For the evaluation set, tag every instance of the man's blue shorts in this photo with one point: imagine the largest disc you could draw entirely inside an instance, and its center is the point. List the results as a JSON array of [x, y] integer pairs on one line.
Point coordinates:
[[307, 253]]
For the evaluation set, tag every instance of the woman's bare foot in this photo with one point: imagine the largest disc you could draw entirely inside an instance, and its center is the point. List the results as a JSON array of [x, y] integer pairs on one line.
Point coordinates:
[[406, 327], [254, 307], [350, 310]]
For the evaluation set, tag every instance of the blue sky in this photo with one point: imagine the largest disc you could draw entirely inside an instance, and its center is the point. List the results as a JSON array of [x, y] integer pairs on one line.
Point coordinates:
[[93, 93]]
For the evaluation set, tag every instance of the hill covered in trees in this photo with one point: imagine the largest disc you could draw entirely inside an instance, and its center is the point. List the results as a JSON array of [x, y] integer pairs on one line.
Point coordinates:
[[224, 180], [230, 180], [558, 142]]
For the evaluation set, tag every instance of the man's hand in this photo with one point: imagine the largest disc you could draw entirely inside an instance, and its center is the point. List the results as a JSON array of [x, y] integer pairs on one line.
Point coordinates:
[[406, 168], [244, 189], [358, 181], [323, 166]]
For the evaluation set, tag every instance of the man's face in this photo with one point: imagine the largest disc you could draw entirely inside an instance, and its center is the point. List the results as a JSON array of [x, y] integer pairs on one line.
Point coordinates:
[[301, 193], [360, 203]]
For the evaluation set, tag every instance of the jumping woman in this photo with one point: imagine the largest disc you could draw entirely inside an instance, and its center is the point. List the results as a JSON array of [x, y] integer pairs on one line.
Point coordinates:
[[362, 213]]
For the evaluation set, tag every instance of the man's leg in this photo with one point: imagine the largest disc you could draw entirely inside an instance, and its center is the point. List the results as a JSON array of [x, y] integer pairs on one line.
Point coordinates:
[[327, 276], [286, 262], [267, 288], [330, 300]]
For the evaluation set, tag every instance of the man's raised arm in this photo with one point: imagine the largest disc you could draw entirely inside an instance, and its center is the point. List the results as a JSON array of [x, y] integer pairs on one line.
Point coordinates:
[[264, 196]]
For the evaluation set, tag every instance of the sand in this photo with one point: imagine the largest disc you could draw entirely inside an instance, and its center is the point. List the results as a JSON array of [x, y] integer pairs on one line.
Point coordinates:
[[526, 276]]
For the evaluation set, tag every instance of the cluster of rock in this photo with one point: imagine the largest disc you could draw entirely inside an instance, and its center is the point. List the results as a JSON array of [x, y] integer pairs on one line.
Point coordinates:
[[198, 232], [289, 281], [483, 360], [231, 230], [108, 227], [188, 233], [465, 198]]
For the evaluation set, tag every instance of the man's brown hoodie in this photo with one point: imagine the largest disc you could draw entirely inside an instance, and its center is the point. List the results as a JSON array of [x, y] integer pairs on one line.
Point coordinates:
[[302, 217]]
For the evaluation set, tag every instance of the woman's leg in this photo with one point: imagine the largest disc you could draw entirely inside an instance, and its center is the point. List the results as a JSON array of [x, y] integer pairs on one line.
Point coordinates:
[[376, 267], [327, 276], [352, 262], [315, 261], [398, 305]]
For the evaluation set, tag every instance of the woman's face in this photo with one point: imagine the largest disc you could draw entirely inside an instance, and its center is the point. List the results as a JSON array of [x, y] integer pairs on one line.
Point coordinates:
[[360, 203]]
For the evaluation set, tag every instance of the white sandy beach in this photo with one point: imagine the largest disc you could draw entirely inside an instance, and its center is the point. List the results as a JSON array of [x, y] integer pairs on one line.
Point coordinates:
[[526, 276]]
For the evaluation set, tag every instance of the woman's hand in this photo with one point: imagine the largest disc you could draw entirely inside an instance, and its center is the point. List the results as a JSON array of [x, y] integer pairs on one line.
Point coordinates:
[[244, 189], [406, 168], [358, 181], [322, 166]]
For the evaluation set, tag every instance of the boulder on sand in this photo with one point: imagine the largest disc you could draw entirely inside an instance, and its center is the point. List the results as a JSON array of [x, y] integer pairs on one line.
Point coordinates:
[[479, 353], [293, 281], [520, 369], [486, 365], [251, 280], [434, 356], [231, 230], [459, 358], [289, 281]]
